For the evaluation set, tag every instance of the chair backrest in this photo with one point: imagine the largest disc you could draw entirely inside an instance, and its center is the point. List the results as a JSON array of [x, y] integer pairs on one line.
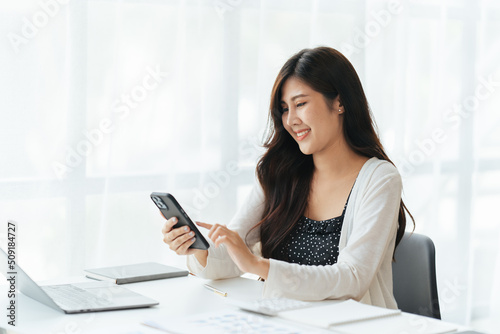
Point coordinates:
[[414, 276]]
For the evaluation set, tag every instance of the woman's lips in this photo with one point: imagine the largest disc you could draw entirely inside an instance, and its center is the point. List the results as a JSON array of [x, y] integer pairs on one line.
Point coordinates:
[[302, 134]]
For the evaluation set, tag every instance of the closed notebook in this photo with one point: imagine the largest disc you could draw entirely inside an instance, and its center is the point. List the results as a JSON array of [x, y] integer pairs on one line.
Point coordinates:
[[336, 313], [135, 273]]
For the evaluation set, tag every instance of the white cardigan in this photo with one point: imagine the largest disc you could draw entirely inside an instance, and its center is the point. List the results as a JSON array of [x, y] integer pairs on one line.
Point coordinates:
[[364, 266]]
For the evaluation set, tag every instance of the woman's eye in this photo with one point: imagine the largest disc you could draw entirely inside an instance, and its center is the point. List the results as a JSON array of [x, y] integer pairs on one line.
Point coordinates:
[[283, 110], [301, 104]]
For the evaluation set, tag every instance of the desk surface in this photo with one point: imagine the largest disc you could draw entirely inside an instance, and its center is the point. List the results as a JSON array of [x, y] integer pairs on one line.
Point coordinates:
[[177, 296]]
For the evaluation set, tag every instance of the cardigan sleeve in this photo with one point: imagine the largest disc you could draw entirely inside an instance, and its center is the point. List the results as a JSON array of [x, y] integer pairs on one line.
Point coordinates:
[[219, 263], [371, 238]]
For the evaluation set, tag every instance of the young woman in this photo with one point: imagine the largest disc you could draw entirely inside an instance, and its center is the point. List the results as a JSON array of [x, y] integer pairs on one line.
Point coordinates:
[[327, 212]]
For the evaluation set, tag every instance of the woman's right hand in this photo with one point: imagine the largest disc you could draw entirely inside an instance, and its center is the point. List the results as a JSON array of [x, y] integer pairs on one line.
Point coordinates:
[[179, 239]]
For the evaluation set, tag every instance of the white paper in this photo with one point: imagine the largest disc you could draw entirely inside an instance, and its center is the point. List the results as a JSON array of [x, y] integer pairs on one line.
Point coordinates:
[[336, 313]]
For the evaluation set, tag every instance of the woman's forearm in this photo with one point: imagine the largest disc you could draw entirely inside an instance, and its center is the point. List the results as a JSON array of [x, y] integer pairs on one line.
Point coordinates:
[[261, 267]]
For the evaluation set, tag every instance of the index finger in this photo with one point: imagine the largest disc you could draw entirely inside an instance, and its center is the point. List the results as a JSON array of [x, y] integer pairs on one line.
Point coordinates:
[[204, 225]]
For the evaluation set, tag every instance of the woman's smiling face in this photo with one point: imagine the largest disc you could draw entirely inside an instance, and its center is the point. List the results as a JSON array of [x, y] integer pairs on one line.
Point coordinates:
[[308, 118]]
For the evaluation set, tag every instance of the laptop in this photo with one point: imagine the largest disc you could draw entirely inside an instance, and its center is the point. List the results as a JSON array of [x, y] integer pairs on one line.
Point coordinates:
[[76, 297]]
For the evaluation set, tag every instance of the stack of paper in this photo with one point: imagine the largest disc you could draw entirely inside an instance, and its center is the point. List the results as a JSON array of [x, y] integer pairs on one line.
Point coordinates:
[[336, 313], [404, 323], [354, 317]]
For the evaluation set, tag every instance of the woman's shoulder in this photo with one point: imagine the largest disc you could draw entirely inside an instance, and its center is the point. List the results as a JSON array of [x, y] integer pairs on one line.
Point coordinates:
[[379, 168]]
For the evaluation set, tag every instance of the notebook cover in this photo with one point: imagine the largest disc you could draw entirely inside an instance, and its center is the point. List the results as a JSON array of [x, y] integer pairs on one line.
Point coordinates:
[[135, 273]]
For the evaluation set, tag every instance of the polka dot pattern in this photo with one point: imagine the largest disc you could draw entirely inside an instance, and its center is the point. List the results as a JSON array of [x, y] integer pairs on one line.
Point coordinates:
[[313, 242]]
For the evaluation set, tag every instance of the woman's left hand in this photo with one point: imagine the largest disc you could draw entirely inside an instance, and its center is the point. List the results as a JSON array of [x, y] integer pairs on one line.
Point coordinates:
[[237, 249]]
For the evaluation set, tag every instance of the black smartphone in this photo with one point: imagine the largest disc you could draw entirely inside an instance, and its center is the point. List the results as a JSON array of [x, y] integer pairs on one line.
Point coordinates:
[[169, 207]]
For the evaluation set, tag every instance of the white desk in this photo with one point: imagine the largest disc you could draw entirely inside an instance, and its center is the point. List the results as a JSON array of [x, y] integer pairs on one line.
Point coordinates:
[[177, 296]]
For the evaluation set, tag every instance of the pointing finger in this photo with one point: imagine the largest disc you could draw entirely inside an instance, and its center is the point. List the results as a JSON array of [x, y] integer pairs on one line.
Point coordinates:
[[204, 225]]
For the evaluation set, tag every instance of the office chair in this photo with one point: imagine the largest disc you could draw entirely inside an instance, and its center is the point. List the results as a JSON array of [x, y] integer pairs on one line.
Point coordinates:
[[414, 276]]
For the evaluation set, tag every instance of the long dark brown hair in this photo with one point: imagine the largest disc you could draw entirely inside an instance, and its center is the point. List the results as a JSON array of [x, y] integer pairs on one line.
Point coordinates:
[[284, 172]]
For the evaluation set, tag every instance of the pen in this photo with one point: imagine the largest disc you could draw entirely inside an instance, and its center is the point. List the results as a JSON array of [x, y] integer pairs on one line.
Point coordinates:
[[217, 291]]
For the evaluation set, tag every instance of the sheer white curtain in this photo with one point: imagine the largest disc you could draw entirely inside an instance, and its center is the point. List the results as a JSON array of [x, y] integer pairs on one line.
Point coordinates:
[[105, 101]]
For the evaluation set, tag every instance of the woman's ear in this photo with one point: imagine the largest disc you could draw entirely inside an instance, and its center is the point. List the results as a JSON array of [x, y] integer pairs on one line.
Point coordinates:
[[341, 107]]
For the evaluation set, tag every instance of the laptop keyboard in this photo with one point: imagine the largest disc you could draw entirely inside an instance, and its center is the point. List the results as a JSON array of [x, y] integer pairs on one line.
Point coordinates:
[[71, 297]]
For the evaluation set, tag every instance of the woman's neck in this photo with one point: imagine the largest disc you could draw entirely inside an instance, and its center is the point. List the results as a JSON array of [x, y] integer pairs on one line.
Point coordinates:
[[338, 161]]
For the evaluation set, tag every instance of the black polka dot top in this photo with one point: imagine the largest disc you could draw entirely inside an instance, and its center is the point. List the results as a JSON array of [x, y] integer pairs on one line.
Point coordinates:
[[313, 242]]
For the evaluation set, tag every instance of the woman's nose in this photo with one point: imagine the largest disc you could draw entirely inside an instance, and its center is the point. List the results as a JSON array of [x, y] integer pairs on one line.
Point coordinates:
[[292, 117]]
